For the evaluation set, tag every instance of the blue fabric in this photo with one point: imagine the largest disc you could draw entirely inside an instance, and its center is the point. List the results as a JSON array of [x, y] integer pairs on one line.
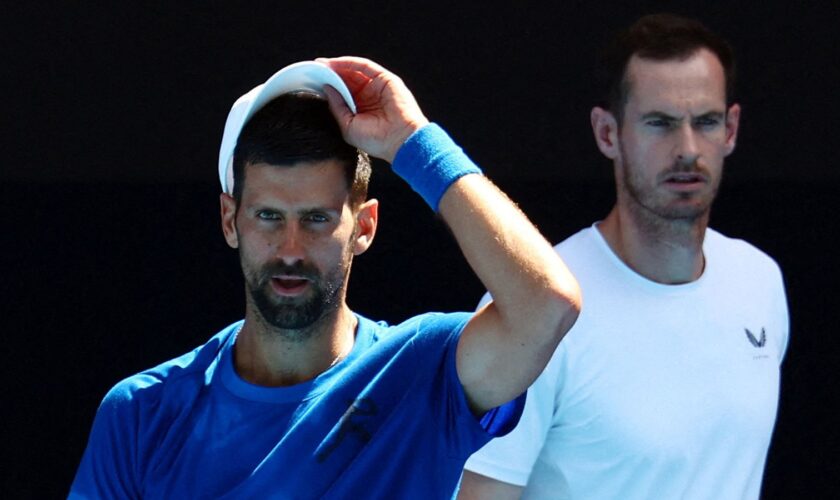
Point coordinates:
[[389, 421], [430, 162]]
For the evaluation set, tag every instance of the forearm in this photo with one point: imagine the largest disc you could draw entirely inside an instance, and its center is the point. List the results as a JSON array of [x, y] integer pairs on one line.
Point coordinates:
[[534, 294], [528, 280], [507, 344]]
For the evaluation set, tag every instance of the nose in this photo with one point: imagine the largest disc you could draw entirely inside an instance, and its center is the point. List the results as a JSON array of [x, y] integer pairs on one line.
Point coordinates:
[[290, 247], [687, 150]]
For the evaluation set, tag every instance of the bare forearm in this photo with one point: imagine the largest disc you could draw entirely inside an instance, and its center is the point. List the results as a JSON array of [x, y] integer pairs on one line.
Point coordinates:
[[505, 345], [532, 288], [536, 299]]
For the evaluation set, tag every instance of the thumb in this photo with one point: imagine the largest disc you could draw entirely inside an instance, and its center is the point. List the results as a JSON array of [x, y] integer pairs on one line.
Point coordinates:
[[339, 108]]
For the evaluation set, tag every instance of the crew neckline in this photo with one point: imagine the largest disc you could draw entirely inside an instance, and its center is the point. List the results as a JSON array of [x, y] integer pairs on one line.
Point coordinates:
[[241, 388], [646, 283]]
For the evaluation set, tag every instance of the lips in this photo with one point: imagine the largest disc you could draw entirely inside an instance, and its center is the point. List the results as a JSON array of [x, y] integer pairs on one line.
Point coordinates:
[[289, 285], [685, 181], [685, 178]]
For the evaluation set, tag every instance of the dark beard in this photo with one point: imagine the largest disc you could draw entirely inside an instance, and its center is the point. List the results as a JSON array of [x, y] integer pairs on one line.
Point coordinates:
[[296, 313]]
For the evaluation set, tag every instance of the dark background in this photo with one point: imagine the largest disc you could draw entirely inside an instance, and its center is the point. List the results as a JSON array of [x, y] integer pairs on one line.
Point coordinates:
[[113, 259]]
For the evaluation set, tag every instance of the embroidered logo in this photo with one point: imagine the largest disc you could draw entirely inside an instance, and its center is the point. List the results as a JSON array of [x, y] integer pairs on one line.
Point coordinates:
[[756, 342], [352, 422]]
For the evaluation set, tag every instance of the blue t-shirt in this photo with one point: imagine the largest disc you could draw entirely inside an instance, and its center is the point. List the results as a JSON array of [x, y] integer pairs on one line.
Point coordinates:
[[389, 421]]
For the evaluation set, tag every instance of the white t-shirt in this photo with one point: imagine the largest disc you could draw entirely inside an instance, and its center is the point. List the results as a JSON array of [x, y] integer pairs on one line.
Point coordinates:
[[658, 391]]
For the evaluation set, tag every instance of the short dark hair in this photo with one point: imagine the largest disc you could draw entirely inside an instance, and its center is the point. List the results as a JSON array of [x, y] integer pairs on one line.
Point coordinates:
[[293, 128], [659, 37]]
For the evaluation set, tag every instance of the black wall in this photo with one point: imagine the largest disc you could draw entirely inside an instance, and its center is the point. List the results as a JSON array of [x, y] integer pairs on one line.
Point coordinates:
[[113, 260]]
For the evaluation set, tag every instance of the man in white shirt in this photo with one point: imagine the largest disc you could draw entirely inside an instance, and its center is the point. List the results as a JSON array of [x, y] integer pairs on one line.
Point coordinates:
[[667, 385]]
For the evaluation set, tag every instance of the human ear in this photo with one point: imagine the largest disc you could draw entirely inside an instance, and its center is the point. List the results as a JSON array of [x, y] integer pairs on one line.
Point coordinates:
[[367, 217], [733, 117], [605, 130], [228, 209]]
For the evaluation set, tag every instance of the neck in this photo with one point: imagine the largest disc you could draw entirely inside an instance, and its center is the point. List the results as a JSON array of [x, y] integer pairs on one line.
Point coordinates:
[[268, 356], [664, 251]]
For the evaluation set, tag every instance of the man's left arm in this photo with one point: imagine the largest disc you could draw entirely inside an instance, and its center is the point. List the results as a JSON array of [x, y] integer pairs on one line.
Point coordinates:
[[505, 346]]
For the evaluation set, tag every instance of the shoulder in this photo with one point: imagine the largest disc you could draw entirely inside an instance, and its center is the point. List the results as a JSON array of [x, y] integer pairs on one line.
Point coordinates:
[[410, 343], [149, 386], [738, 254], [428, 325], [583, 238], [583, 249], [587, 255], [750, 278]]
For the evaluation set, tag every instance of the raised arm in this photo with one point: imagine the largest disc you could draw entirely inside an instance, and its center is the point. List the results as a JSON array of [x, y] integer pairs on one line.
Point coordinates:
[[506, 344]]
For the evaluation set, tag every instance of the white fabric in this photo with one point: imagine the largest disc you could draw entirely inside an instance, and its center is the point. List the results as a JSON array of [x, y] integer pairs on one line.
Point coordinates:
[[308, 76], [657, 391]]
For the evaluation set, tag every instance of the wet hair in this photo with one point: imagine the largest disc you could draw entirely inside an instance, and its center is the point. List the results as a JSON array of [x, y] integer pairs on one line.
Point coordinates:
[[294, 128], [660, 37]]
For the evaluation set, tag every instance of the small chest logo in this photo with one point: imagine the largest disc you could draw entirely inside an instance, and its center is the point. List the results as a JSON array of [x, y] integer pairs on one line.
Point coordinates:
[[352, 422], [756, 342]]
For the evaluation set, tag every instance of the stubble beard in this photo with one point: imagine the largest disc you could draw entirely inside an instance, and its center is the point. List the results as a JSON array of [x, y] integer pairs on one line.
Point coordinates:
[[294, 317], [656, 208]]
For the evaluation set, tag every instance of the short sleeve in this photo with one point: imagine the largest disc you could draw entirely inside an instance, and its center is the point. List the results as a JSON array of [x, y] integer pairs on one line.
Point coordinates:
[[510, 458], [437, 337], [484, 301], [781, 307], [107, 469]]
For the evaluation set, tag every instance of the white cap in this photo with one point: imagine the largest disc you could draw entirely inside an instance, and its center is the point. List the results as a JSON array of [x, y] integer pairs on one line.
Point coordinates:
[[302, 76]]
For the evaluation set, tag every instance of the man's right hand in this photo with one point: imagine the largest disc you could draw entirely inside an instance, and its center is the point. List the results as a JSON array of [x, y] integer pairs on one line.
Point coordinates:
[[387, 113]]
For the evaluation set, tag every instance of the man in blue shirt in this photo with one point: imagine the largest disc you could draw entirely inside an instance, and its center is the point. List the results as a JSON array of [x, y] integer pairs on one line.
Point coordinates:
[[304, 398]]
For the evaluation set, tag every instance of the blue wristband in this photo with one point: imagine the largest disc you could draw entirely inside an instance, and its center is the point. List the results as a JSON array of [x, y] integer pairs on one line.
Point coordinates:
[[430, 161]]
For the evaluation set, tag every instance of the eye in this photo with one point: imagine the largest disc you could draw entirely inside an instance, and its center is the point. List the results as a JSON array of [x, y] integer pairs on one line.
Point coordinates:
[[267, 215], [707, 121], [316, 217], [659, 123]]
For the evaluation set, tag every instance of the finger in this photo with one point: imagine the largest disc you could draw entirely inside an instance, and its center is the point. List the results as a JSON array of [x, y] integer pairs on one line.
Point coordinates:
[[338, 107], [354, 64], [355, 80]]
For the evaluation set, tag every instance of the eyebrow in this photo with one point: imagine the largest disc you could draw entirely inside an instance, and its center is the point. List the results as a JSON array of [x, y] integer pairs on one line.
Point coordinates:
[[713, 114], [659, 115], [313, 210], [299, 212]]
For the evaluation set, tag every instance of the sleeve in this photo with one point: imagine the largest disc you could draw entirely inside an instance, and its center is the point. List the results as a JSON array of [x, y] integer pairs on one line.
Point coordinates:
[[108, 468], [781, 308], [485, 299], [504, 413], [464, 433], [510, 458]]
